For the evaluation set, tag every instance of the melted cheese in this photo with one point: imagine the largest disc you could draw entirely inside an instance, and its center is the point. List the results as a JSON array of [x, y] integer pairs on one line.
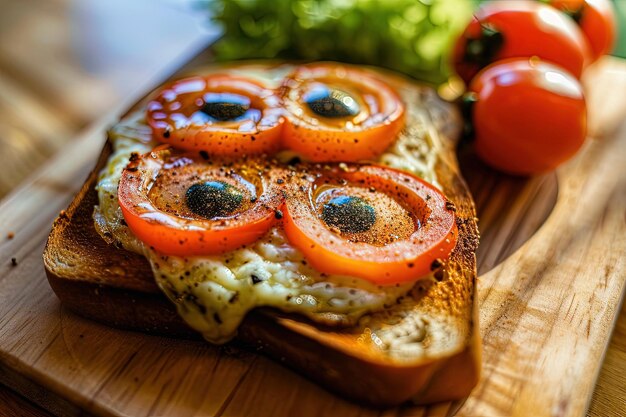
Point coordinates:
[[214, 293]]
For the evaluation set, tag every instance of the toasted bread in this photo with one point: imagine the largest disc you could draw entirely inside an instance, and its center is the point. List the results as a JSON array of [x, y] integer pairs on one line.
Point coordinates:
[[434, 326]]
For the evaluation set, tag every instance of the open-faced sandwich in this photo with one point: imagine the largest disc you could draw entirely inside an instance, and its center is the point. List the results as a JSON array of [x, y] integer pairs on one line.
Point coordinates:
[[315, 211]]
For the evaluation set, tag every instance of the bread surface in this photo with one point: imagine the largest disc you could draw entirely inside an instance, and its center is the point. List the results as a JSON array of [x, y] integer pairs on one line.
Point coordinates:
[[437, 333]]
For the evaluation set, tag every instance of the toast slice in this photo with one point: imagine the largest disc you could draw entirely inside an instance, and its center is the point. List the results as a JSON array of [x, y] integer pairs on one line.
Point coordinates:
[[432, 348]]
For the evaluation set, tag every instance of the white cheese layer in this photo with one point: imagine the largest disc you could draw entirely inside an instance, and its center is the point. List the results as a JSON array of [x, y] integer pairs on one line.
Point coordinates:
[[214, 293]]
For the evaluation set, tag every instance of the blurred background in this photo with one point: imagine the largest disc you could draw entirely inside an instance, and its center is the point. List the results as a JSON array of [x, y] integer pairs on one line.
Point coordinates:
[[65, 63]]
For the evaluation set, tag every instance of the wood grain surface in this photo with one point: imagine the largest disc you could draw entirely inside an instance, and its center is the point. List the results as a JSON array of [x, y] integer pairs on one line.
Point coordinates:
[[555, 244], [13, 405]]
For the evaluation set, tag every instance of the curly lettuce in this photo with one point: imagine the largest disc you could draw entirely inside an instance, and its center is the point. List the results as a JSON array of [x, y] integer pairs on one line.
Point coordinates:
[[410, 36]]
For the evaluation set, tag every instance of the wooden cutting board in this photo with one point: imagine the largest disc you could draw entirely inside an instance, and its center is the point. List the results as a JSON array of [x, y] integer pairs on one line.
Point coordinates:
[[552, 272]]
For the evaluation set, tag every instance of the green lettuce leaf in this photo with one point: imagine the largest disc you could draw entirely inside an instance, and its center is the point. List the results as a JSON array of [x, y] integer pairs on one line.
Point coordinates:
[[411, 36]]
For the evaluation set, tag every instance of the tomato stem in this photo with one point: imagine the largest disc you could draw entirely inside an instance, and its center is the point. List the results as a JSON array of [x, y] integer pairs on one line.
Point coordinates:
[[483, 49], [575, 14], [468, 101]]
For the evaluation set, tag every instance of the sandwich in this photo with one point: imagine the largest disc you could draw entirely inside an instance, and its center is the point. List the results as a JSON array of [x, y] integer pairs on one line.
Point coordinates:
[[313, 212]]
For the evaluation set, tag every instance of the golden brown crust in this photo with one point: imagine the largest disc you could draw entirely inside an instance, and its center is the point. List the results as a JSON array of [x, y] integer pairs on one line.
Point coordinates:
[[116, 287]]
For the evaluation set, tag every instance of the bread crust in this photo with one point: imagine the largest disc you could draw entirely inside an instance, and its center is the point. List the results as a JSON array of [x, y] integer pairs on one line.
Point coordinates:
[[113, 286]]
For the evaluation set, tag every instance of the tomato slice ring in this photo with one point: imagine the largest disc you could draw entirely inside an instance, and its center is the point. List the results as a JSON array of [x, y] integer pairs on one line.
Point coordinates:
[[365, 118], [228, 208], [431, 236], [221, 114]]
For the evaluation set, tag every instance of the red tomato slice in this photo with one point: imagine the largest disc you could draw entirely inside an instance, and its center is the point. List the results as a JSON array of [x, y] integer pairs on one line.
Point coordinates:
[[223, 115], [520, 28], [339, 113], [181, 204], [372, 222]]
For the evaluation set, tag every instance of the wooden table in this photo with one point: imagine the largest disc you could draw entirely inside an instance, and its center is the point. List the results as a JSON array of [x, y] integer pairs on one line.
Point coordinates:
[[34, 125]]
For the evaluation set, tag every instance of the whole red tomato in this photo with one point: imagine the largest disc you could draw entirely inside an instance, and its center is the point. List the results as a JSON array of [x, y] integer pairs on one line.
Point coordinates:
[[519, 28], [596, 18], [529, 115]]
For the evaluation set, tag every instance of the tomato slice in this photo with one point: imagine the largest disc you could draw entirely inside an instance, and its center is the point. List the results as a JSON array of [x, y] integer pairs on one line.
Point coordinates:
[[223, 115], [372, 222], [182, 204], [339, 113]]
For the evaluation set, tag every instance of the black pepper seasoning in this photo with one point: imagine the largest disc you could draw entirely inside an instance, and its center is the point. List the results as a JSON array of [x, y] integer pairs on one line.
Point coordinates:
[[436, 264]]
